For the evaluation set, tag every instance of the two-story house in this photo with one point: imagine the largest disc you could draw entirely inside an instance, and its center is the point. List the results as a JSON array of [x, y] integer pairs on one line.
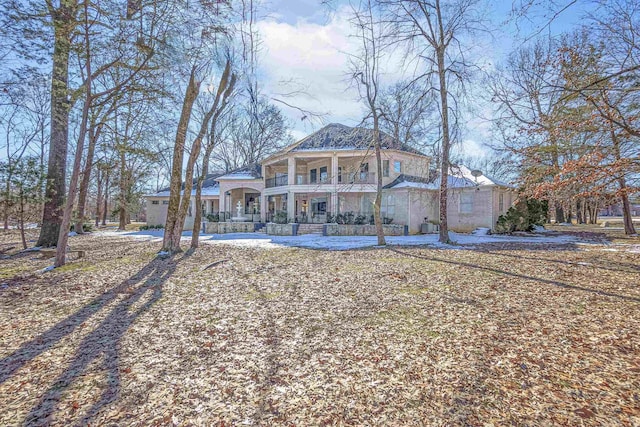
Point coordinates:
[[334, 172]]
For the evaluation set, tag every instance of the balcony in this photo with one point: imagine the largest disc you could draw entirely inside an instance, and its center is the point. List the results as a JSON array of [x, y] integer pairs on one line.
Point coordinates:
[[278, 181], [344, 178], [357, 178]]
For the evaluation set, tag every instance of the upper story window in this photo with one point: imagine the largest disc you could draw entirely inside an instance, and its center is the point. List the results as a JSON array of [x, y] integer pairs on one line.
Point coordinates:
[[501, 202], [397, 166], [313, 176], [385, 168], [323, 174], [339, 173], [155, 202], [165, 202]]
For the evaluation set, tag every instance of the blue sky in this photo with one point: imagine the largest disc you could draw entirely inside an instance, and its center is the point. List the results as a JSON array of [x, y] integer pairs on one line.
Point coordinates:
[[304, 45]]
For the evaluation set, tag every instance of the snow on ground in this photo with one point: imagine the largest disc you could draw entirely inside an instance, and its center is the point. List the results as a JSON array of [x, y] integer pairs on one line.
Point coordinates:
[[317, 241]]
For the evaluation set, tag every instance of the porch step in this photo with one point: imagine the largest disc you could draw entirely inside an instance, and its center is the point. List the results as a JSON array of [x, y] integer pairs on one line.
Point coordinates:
[[310, 229]]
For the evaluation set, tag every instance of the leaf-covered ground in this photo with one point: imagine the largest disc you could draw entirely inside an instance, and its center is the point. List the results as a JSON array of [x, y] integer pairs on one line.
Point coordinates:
[[497, 335]]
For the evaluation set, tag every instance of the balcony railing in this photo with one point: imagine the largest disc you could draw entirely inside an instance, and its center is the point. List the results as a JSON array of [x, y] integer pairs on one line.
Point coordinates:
[[344, 178], [357, 178], [278, 181]]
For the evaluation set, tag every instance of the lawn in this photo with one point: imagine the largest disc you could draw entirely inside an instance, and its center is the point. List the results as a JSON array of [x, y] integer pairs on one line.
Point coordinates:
[[491, 334]]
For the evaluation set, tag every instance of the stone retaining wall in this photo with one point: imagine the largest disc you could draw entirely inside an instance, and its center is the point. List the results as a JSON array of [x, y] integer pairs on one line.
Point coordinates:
[[363, 230], [282, 229], [228, 227]]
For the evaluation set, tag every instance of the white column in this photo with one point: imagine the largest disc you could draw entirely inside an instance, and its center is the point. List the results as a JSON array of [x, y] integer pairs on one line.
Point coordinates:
[[291, 165], [291, 205], [334, 169], [334, 202], [263, 208]]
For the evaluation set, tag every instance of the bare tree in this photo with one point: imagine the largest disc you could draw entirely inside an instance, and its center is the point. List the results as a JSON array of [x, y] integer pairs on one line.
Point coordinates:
[[220, 102], [365, 68], [434, 31]]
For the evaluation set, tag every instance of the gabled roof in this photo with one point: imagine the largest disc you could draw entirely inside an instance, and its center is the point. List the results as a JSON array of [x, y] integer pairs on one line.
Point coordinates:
[[404, 181], [252, 171], [336, 136], [459, 177], [464, 173], [210, 187]]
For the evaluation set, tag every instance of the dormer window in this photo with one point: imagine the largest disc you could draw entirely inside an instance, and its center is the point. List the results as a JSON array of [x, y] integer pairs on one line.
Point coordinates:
[[397, 166]]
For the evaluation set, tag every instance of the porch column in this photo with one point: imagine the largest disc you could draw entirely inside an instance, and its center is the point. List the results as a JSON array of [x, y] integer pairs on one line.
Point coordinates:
[[334, 169], [263, 208], [291, 171], [291, 205], [334, 202]]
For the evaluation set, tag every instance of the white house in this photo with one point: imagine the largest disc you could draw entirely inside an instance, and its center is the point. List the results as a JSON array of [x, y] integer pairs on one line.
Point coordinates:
[[331, 174]]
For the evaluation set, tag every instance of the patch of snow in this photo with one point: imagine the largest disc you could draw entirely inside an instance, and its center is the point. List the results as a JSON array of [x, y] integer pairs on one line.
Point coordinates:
[[237, 176], [72, 233], [163, 254], [317, 241], [33, 249], [481, 231], [539, 229], [44, 270], [421, 185]]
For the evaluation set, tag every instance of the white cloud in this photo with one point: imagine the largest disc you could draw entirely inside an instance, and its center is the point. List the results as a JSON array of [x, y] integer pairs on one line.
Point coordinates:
[[310, 57]]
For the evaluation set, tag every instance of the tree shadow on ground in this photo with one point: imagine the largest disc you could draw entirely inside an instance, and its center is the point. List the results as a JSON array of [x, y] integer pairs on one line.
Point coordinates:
[[519, 276], [101, 345], [607, 265]]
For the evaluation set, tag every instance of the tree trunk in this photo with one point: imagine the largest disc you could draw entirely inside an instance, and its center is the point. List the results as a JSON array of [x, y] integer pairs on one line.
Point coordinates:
[[171, 240], [106, 198], [94, 133], [22, 236], [629, 228], [98, 196], [225, 89], [377, 218], [63, 235], [122, 217], [446, 144], [559, 213], [579, 218], [63, 23]]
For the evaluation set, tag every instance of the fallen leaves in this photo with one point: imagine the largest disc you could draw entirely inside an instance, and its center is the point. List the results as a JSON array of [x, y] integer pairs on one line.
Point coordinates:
[[401, 336]]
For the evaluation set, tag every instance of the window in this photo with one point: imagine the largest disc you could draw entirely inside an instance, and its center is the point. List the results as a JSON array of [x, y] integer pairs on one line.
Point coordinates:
[[155, 202], [165, 202], [466, 203], [319, 206], [397, 166], [385, 168], [389, 206], [364, 172], [339, 173], [313, 175], [501, 202], [323, 174]]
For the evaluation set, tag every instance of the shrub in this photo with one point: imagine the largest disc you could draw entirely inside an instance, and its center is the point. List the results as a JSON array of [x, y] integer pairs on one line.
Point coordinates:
[[360, 220], [386, 220], [523, 216], [151, 227], [86, 227], [280, 218]]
